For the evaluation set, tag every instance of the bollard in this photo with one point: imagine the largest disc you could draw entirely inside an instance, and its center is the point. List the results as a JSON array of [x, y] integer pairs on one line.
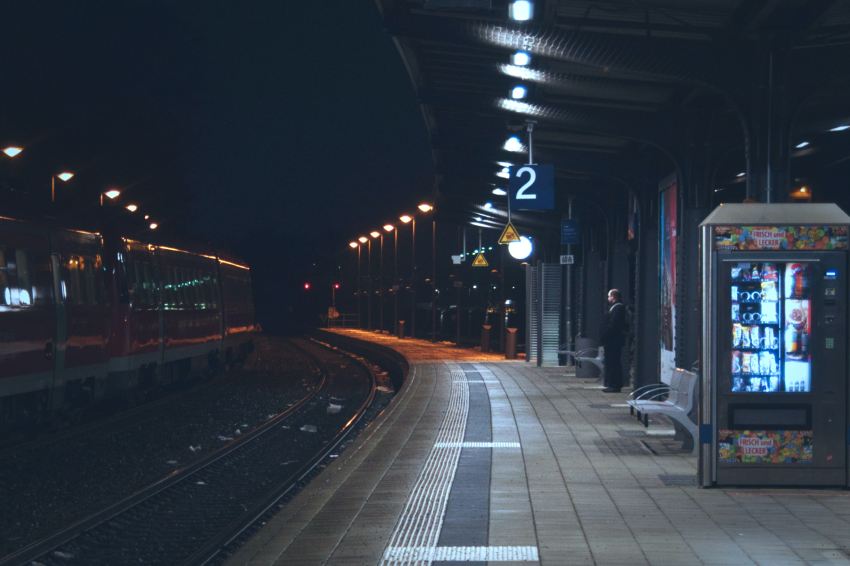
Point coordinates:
[[485, 337], [400, 329], [510, 343]]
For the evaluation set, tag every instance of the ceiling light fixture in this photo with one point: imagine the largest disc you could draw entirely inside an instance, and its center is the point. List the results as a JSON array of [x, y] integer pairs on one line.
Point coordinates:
[[741, 174], [499, 192], [521, 10], [514, 145], [840, 128], [504, 173], [519, 92], [521, 59], [802, 144]]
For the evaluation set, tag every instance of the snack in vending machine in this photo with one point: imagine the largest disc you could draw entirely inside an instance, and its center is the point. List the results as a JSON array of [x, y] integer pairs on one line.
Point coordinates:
[[791, 339], [754, 363], [755, 273], [769, 273], [745, 337], [755, 338], [765, 363], [774, 383], [769, 291], [736, 362], [737, 335], [736, 311], [734, 292], [745, 363]]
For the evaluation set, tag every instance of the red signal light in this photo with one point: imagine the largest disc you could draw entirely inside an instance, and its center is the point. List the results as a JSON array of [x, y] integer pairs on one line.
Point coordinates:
[[307, 286], [336, 285]]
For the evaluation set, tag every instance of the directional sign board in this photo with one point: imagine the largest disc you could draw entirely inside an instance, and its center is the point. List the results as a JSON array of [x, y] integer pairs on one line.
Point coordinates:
[[532, 187], [509, 234], [480, 261], [570, 232]]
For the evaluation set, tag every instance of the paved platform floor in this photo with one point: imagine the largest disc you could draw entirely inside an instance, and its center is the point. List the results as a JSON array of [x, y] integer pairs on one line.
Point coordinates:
[[483, 460]]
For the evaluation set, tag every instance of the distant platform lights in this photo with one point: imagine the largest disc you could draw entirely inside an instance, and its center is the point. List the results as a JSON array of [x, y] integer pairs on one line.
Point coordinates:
[[504, 173], [803, 144], [499, 192], [519, 92], [521, 10], [840, 128]]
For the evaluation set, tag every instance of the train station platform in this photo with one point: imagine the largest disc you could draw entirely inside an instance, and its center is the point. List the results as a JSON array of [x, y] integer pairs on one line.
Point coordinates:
[[479, 459]]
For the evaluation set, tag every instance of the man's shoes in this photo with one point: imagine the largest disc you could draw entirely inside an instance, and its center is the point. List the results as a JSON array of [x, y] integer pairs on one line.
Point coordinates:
[[611, 390]]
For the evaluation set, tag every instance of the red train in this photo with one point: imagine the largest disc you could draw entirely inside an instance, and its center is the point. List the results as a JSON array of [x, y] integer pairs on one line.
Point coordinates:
[[85, 316]]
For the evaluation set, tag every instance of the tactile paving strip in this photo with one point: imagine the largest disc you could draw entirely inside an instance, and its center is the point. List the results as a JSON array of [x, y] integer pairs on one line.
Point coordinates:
[[421, 520]]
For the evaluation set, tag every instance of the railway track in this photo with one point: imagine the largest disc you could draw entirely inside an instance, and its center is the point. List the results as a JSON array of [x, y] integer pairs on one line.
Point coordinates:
[[194, 513]]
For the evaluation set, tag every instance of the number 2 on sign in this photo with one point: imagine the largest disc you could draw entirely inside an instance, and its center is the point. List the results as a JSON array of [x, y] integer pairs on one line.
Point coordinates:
[[521, 194]]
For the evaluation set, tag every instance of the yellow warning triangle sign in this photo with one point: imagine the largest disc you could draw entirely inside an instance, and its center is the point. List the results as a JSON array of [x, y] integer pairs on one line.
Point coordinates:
[[480, 261], [509, 234]]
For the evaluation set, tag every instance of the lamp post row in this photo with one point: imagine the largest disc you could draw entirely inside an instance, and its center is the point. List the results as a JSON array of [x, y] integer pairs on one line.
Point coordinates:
[[405, 219], [13, 151]]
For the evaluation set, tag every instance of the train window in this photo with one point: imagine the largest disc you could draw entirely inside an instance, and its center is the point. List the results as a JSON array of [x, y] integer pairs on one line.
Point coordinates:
[[25, 279]]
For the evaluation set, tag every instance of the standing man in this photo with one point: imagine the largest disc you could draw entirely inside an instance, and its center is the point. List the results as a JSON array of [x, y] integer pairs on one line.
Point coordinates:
[[613, 339]]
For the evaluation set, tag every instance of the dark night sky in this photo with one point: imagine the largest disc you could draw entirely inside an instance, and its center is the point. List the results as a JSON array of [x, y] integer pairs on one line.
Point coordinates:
[[276, 130]]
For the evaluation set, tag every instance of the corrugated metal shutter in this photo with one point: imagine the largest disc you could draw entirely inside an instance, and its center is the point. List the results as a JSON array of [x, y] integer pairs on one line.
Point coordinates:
[[543, 308]]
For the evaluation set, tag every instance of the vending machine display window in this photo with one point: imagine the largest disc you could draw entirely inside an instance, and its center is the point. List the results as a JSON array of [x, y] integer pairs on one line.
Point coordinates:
[[771, 328]]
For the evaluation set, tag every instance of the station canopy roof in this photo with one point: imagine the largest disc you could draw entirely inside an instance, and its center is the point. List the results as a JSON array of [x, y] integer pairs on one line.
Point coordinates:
[[616, 87]]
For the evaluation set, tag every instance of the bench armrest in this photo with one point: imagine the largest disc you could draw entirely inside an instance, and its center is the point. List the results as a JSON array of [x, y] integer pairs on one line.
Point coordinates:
[[653, 393]]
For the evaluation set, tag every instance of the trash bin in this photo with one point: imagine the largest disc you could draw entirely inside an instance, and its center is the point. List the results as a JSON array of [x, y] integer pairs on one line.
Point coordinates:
[[485, 337], [588, 347], [510, 343], [400, 329]]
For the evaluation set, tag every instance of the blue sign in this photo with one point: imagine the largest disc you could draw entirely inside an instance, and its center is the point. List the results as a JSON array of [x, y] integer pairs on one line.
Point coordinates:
[[570, 232], [532, 187]]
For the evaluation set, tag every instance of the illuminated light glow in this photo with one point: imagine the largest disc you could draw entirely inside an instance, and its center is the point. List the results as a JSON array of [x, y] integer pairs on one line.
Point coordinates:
[[488, 205], [521, 59], [306, 286], [802, 144], [479, 224], [521, 10], [504, 164], [232, 264], [425, 207], [840, 128], [406, 218], [374, 233], [741, 174], [499, 192], [504, 173], [65, 176], [132, 207], [112, 194], [478, 219], [147, 216], [519, 92], [153, 226], [362, 239], [352, 245], [523, 73], [513, 144], [12, 150], [521, 249], [389, 227], [523, 107]]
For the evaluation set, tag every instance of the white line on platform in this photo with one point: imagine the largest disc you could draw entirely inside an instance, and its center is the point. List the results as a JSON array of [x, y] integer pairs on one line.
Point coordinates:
[[618, 405], [477, 445], [402, 554]]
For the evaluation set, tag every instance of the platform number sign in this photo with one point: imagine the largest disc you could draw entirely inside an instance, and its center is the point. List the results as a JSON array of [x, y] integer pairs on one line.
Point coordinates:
[[532, 187]]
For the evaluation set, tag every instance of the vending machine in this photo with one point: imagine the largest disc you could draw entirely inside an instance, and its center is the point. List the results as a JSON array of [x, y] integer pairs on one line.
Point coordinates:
[[774, 395]]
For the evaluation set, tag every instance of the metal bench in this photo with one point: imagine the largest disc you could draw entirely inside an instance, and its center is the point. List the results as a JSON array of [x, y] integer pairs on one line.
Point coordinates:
[[581, 356], [674, 400]]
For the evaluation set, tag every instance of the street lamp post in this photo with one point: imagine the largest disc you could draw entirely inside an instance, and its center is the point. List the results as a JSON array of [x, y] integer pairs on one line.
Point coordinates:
[[355, 245], [362, 240], [375, 235], [391, 228], [407, 219], [425, 207], [365, 240], [64, 176]]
